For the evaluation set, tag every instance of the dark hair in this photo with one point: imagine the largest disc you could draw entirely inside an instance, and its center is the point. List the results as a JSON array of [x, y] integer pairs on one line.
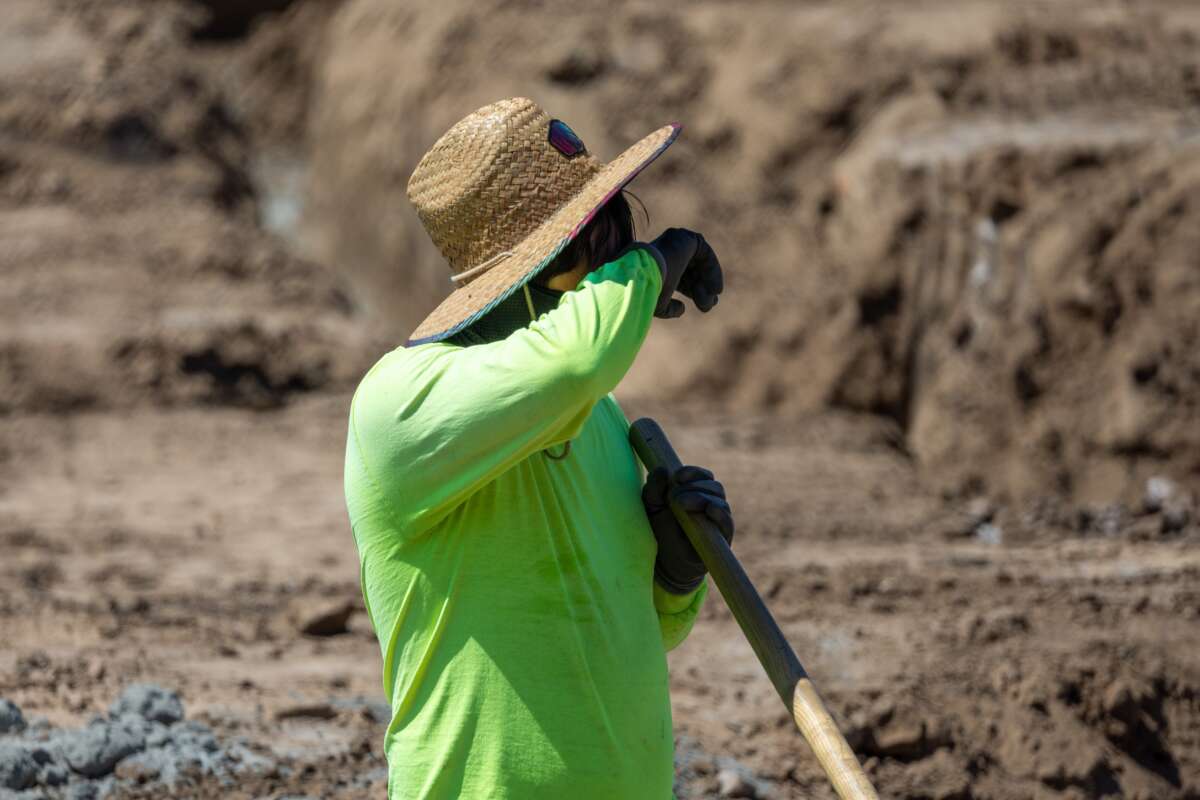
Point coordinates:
[[605, 235]]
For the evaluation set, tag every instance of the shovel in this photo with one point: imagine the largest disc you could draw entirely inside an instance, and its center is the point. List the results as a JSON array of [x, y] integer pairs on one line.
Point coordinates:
[[773, 651]]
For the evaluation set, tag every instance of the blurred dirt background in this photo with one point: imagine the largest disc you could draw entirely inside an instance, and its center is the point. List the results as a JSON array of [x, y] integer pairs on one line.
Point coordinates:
[[953, 387]]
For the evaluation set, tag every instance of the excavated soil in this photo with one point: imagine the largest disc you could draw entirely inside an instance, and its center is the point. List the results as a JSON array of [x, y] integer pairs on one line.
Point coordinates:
[[953, 387]]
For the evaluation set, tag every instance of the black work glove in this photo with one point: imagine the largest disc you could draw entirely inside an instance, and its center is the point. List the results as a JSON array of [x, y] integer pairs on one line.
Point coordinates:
[[678, 568], [691, 268]]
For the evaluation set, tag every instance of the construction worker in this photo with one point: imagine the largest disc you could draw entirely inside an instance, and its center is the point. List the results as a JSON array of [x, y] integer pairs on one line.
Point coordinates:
[[524, 581]]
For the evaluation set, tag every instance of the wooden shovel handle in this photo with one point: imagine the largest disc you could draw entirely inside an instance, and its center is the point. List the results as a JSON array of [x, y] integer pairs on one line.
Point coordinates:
[[773, 651]]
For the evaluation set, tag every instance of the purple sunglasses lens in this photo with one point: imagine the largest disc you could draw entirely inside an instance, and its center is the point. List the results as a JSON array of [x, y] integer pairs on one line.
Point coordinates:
[[564, 140]]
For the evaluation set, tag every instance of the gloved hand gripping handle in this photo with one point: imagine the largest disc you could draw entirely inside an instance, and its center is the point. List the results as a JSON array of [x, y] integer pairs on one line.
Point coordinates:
[[773, 651]]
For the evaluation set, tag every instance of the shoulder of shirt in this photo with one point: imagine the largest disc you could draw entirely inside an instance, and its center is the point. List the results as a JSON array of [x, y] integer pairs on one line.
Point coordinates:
[[413, 356], [394, 367]]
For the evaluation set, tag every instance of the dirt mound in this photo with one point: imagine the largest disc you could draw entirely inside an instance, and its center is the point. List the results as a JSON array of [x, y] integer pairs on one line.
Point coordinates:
[[1095, 725], [266, 67], [1024, 305], [1020, 285], [135, 268], [959, 232]]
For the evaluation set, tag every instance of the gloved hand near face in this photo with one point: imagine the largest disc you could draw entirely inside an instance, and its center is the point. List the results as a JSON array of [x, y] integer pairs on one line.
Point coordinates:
[[691, 268], [678, 568]]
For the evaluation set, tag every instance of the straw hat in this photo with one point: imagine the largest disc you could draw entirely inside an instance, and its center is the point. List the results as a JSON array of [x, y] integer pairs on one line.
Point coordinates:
[[502, 193]]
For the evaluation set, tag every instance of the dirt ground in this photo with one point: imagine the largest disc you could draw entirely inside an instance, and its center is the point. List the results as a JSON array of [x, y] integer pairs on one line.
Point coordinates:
[[955, 400]]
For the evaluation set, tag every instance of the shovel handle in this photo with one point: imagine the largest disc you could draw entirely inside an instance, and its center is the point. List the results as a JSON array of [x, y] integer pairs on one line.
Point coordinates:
[[773, 651]]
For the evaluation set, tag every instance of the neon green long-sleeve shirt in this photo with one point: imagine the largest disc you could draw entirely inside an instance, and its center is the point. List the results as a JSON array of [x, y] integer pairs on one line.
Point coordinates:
[[523, 635]]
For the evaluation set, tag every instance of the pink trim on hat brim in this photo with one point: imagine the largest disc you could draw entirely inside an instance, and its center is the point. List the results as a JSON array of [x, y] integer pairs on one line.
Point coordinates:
[[675, 129]]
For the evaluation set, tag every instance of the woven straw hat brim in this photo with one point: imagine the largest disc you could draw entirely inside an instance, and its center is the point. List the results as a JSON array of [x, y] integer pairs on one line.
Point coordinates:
[[470, 302]]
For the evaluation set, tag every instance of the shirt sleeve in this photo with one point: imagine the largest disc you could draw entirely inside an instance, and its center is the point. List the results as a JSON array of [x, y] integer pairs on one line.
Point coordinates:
[[433, 424], [677, 613]]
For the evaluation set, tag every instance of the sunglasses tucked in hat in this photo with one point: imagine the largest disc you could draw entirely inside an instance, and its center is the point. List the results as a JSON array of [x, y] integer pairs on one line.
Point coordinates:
[[502, 193]]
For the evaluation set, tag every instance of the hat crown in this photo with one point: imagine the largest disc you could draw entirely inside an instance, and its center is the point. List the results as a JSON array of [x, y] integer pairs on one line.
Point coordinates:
[[492, 180]]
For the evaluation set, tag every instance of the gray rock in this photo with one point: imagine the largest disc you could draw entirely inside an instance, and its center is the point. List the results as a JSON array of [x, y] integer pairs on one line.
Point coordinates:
[[731, 783], [152, 702], [41, 755], [53, 775], [36, 793], [38, 726], [186, 751], [377, 775], [195, 736], [989, 533], [159, 736], [244, 761], [130, 746], [18, 770], [83, 791], [96, 749], [372, 708], [11, 718], [1158, 491]]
